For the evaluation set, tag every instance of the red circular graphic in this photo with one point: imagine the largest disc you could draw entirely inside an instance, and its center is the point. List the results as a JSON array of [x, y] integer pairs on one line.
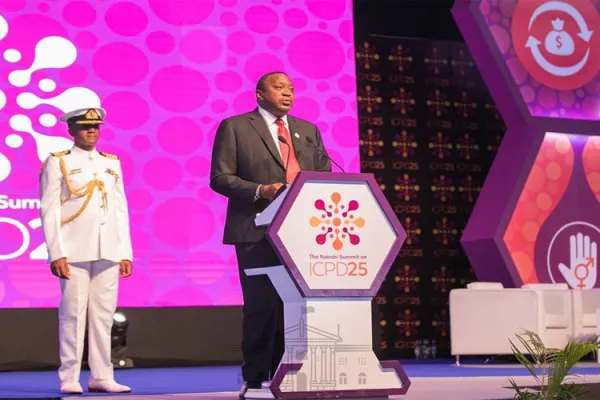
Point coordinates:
[[558, 42]]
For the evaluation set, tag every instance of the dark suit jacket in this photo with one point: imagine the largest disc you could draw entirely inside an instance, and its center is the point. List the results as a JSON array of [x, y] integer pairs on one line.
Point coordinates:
[[244, 156]]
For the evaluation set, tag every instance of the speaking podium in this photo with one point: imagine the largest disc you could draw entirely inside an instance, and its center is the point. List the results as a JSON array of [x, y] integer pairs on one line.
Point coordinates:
[[337, 237]]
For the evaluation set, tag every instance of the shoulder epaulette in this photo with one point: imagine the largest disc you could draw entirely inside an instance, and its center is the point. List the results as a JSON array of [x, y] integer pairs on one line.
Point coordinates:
[[111, 156], [57, 154], [61, 153]]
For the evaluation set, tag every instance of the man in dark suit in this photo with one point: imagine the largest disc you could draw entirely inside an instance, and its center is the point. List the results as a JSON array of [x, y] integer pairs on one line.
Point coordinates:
[[249, 165]]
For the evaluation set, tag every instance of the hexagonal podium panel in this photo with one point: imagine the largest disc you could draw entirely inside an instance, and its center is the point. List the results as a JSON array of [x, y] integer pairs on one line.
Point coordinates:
[[337, 234]]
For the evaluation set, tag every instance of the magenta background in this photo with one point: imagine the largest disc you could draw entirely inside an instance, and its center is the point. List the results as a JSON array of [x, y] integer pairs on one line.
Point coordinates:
[[167, 74], [581, 103]]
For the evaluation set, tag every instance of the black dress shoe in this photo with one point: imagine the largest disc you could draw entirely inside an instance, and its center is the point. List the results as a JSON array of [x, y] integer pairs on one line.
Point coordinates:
[[249, 385]]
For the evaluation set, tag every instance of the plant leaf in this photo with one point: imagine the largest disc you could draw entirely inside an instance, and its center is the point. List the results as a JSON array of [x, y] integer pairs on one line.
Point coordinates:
[[565, 360], [551, 365]]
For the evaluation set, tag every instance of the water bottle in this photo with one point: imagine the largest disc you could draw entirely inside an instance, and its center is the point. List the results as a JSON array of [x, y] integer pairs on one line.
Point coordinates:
[[433, 349], [418, 349], [426, 349]]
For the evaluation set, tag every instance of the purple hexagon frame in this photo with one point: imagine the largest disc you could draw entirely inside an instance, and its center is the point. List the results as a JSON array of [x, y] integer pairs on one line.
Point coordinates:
[[284, 209], [483, 236], [482, 239], [333, 394], [492, 65]]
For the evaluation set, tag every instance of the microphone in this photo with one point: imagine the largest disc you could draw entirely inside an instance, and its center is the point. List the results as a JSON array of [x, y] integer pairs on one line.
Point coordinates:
[[282, 140], [311, 141]]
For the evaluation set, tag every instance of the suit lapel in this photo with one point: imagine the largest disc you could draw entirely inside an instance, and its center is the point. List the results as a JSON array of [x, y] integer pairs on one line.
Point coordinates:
[[258, 123], [293, 130], [295, 141]]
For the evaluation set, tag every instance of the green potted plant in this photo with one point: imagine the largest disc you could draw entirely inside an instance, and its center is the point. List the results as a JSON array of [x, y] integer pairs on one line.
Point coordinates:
[[550, 367]]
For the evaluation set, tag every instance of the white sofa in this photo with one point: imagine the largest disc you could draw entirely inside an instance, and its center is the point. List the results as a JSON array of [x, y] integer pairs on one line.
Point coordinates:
[[585, 318], [585, 304], [485, 316]]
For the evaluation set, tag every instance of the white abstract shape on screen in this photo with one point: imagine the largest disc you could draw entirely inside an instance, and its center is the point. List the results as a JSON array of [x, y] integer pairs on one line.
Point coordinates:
[[48, 120], [4, 167], [12, 55], [14, 141], [45, 144], [2, 99], [47, 85], [69, 100], [50, 52], [3, 27]]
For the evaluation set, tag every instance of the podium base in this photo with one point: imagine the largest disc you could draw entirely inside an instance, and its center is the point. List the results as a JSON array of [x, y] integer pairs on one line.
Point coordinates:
[[266, 394], [259, 394]]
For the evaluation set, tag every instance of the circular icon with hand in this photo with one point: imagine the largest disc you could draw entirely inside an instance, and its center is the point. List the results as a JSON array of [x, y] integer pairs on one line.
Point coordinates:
[[581, 273]]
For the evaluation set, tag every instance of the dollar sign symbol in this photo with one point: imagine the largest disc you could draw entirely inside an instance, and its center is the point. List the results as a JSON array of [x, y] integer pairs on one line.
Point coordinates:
[[558, 42]]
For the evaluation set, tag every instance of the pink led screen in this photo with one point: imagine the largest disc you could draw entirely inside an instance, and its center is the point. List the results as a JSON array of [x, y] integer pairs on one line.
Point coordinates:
[[167, 71]]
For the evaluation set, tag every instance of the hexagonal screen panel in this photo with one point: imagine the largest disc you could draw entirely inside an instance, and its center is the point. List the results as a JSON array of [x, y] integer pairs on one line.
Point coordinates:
[[552, 236], [548, 52], [337, 234]]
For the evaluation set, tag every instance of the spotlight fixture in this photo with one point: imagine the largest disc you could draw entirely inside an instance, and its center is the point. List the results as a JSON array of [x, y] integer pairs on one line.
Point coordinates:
[[118, 340]]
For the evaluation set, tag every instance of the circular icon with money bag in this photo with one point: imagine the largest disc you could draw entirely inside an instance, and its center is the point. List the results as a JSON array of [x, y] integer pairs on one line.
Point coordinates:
[[556, 42]]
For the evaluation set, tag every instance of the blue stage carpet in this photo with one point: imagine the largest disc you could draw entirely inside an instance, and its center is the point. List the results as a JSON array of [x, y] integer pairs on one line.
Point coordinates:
[[44, 385]]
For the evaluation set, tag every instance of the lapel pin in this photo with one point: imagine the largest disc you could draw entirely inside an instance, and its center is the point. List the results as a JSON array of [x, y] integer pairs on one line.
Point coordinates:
[[297, 136]]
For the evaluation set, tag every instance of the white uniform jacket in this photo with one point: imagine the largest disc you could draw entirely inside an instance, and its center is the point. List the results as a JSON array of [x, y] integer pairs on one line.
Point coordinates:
[[84, 208]]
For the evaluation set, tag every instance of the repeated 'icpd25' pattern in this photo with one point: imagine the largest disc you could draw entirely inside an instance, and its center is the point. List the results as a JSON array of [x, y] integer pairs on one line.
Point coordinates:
[[428, 131]]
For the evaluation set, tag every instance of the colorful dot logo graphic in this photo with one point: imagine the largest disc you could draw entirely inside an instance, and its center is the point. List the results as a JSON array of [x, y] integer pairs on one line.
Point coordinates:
[[338, 222]]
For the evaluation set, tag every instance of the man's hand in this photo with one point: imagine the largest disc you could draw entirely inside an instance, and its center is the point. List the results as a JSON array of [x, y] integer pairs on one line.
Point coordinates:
[[60, 268], [125, 268], [268, 191]]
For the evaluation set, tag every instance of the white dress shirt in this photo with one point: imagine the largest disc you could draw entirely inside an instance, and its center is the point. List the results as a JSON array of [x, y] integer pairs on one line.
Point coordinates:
[[272, 125], [274, 130]]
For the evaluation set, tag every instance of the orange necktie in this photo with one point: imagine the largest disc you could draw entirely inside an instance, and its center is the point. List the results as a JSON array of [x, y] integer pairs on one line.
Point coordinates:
[[293, 168]]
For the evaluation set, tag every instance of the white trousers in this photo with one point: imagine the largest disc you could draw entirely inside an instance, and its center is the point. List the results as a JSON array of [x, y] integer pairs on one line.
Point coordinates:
[[91, 292]]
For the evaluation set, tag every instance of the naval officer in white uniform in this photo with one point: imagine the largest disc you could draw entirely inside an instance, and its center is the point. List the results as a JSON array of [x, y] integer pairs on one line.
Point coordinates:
[[86, 227]]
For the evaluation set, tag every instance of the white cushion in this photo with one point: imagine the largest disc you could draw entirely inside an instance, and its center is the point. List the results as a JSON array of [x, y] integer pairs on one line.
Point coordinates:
[[556, 321], [485, 285], [546, 286], [589, 320]]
